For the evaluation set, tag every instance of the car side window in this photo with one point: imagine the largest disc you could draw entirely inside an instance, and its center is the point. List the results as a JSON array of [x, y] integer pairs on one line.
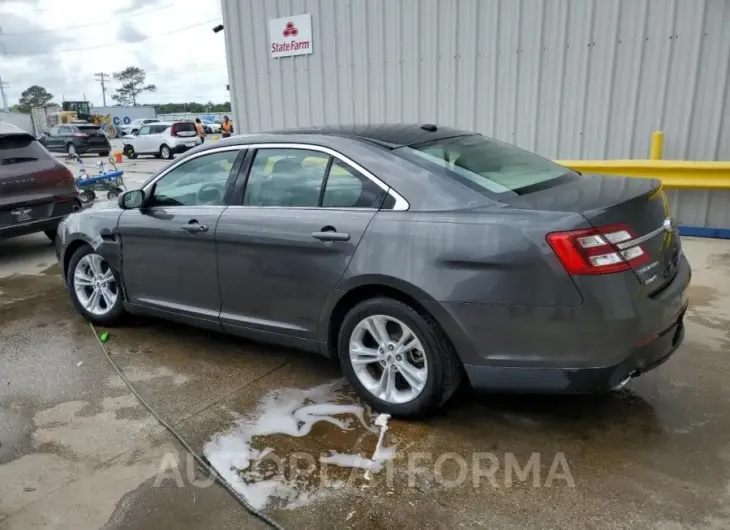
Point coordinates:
[[157, 129], [286, 177], [348, 188], [200, 181], [64, 130], [143, 130], [53, 131]]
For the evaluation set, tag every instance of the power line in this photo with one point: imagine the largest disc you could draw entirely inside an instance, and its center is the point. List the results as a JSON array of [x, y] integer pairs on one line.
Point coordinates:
[[101, 76], [161, 34], [131, 15]]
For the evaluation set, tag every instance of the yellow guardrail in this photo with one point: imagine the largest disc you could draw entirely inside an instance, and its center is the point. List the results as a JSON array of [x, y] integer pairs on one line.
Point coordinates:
[[683, 174]]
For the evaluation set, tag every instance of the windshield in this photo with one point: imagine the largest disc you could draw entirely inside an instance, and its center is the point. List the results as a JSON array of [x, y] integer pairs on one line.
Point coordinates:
[[489, 166]]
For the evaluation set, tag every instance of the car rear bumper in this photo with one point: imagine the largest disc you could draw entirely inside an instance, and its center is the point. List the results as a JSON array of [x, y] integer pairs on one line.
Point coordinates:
[[58, 212], [578, 380], [590, 348], [181, 147], [94, 148]]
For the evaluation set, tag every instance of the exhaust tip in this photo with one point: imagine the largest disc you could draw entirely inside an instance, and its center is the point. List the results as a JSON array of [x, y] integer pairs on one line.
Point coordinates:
[[625, 381]]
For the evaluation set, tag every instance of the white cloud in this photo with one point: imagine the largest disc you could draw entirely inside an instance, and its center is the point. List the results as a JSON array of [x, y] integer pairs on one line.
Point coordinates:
[[185, 64]]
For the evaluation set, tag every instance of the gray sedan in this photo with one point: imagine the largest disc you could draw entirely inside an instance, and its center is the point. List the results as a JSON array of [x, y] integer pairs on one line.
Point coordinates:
[[416, 256]]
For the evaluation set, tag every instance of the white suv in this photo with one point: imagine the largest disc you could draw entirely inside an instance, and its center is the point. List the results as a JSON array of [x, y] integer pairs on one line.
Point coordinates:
[[162, 139]]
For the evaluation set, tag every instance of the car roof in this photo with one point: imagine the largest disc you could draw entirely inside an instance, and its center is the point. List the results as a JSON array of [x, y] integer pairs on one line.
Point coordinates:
[[390, 135]]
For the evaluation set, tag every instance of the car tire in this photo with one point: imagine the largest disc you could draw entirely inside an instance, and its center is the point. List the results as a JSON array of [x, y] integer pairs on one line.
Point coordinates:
[[86, 196], [51, 234], [107, 307], [165, 152], [71, 149], [114, 194], [129, 152], [435, 354]]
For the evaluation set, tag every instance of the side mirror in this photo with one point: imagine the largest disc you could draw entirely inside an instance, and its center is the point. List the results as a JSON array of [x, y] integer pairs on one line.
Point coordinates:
[[131, 200]]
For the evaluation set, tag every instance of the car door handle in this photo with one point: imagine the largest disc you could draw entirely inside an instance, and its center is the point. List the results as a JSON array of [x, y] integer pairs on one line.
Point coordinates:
[[331, 236], [193, 227]]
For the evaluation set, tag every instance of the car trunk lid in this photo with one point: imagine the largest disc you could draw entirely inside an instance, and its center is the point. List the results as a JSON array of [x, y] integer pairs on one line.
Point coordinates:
[[631, 214]]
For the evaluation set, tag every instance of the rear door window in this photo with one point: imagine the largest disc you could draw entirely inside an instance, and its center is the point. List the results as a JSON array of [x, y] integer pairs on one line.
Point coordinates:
[[144, 130], [348, 188], [64, 130]]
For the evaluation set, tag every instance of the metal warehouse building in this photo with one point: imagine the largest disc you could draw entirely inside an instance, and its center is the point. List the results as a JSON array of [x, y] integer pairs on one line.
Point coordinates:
[[569, 79]]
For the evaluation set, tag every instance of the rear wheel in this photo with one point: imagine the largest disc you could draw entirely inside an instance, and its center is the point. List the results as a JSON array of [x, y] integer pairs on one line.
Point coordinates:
[[114, 193], [94, 287], [165, 152], [399, 360], [86, 196]]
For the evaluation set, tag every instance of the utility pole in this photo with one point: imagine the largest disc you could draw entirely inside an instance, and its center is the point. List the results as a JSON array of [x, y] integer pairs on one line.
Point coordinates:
[[101, 77], [2, 84], [2, 94]]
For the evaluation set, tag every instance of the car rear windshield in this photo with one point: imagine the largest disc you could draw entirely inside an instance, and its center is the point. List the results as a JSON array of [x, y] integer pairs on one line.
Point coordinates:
[[185, 126], [488, 166], [19, 148], [89, 129]]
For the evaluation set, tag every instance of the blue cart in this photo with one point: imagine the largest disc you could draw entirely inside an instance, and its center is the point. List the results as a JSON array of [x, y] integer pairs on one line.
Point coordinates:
[[109, 181]]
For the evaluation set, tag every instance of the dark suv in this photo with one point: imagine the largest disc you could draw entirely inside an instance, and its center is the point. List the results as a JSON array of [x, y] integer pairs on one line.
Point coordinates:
[[36, 191], [77, 139]]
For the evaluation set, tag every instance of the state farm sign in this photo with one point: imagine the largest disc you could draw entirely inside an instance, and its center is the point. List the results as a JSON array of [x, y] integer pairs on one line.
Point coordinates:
[[290, 36]]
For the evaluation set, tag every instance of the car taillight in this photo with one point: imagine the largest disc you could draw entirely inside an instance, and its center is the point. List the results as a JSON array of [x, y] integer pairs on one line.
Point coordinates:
[[594, 250], [173, 131]]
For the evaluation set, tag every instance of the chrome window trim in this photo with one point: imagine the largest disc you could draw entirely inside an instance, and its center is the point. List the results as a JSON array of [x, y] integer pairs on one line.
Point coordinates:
[[639, 240], [401, 204]]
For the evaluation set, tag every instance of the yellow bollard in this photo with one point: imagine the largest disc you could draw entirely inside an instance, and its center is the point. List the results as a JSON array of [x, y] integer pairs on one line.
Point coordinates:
[[657, 145]]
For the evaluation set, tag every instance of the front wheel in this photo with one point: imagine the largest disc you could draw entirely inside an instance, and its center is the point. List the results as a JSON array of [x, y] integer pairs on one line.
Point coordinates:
[[129, 152], [398, 359], [94, 287], [165, 152]]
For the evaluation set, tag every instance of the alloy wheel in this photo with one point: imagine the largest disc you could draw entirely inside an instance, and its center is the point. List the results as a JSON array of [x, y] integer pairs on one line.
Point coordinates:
[[388, 359], [165, 152], [95, 285]]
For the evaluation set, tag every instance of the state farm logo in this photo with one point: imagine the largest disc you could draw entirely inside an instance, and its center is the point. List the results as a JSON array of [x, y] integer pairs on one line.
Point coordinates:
[[290, 30], [290, 36]]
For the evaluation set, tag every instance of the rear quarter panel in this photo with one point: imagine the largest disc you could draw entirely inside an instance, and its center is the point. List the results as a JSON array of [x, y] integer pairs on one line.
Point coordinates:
[[469, 257]]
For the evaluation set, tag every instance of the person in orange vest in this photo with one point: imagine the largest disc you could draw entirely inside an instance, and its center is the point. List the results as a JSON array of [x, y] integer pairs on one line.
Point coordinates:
[[227, 127], [200, 130]]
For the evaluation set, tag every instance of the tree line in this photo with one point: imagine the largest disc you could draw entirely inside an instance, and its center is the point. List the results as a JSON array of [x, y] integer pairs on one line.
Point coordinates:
[[133, 83]]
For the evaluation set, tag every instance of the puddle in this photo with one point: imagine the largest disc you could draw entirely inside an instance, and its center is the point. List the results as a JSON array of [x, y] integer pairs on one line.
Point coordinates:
[[298, 447]]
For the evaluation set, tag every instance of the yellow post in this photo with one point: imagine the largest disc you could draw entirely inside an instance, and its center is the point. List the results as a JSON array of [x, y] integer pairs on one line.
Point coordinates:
[[657, 145]]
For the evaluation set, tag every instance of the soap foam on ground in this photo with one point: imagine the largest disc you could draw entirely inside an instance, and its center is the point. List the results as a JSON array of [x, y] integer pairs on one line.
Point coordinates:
[[291, 412]]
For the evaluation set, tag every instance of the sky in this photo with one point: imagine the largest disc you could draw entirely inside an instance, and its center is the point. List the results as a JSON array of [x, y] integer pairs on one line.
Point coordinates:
[[61, 44]]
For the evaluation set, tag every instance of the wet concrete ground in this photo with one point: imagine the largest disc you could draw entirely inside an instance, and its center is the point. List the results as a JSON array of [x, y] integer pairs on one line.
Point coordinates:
[[78, 451]]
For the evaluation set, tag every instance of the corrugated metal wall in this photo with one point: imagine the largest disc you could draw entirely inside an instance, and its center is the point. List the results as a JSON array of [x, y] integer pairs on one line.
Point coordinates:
[[565, 78]]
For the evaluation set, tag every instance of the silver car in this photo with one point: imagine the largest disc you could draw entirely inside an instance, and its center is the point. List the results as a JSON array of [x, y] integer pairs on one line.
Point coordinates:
[[416, 256]]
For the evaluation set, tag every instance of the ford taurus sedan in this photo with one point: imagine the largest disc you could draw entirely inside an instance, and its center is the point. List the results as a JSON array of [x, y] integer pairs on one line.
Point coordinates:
[[414, 255]]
